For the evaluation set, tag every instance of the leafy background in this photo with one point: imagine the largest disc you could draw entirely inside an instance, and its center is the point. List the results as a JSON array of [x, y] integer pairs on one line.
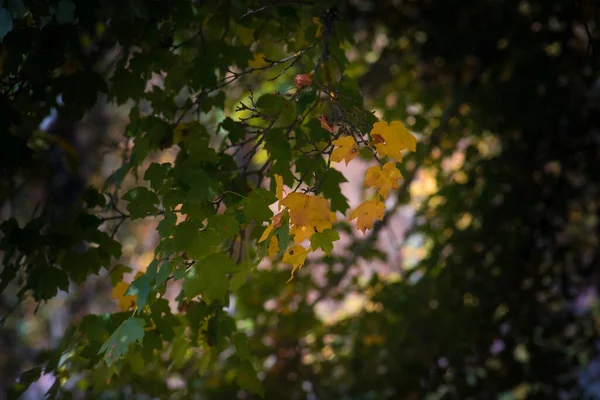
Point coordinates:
[[481, 282]]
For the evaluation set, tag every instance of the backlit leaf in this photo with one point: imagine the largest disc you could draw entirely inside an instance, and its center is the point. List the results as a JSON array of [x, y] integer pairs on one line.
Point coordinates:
[[366, 214], [346, 149], [324, 240], [391, 139], [118, 293], [273, 246], [384, 178], [295, 256], [129, 332]]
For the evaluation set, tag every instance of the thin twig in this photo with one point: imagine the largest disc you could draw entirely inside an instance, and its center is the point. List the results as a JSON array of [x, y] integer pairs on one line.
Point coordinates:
[[275, 4]]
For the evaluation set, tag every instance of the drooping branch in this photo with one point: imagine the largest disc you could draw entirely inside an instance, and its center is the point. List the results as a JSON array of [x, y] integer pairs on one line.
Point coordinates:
[[359, 247]]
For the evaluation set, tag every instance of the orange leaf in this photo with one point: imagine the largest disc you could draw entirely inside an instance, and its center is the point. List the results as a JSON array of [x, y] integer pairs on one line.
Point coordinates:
[[277, 219], [303, 80], [325, 124], [377, 138]]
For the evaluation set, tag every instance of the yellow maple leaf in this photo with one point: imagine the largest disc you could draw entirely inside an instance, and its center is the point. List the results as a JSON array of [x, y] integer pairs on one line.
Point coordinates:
[[245, 35], [391, 139], [367, 213], [118, 293], [318, 209], [295, 256], [385, 178], [277, 221], [321, 225], [266, 233], [301, 232], [307, 214], [346, 149], [273, 246], [182, 130], [279, 187], [257, 62], [296, 204]]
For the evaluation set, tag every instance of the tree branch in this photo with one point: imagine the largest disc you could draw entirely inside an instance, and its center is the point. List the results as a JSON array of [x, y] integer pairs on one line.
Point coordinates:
[[360, 246]]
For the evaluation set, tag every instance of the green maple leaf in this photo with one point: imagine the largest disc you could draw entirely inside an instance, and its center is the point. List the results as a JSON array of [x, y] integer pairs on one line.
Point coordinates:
[[235, 129], [184, 235], [45, 282], [226, 225], [163, 274], [201, 186], [196, 314], [203, 243], [256, 205], [331, 190], [156, 174], [80, 265], [241, 342], [198, 147], [270, 103], [94, 327], [166, 226], [129, 332], [141, 202], [209, 277], [240, 278], [247, 378], [140, 288], [324, 240]]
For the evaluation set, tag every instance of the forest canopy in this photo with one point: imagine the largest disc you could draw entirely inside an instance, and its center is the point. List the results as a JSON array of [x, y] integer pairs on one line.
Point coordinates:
[[295, 199]]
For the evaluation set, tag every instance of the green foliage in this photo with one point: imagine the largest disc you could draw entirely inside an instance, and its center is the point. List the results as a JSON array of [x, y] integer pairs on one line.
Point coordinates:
[[256, 205], [324, 240], [209, 277], [131, 331], [142, 202]]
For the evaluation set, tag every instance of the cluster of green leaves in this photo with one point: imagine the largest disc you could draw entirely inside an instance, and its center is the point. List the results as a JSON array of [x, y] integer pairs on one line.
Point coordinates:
[[174, 64]]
